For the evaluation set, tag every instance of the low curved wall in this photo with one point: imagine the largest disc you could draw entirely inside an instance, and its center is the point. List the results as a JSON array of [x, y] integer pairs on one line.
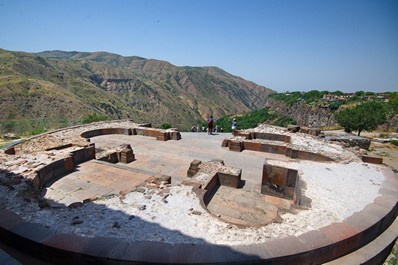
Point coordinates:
[[159, 134], [315, 247], [62, 166]]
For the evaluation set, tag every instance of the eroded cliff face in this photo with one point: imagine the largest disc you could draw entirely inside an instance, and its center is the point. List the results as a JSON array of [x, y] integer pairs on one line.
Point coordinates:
[[304, 115]]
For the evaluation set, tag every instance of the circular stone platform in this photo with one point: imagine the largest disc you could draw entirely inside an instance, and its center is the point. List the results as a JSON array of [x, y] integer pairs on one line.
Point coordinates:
[[127, 213]]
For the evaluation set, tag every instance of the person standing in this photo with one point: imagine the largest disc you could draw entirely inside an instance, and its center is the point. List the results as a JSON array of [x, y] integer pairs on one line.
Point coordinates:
[[210, 123], [234, 124]]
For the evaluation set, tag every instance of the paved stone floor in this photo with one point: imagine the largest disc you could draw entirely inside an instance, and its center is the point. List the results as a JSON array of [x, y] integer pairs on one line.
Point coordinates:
[[93, 179], [174, 157]]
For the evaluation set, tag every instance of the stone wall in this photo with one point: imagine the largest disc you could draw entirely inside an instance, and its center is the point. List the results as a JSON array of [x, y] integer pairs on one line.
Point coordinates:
[[351, 140], [304, 115]]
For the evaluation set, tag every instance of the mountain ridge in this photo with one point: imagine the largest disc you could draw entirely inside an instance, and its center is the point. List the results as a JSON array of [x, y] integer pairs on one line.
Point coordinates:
[[120, 87]]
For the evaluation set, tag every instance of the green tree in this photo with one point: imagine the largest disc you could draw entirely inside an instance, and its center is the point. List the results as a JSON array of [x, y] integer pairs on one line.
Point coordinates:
[[392, 110], [364, 117]]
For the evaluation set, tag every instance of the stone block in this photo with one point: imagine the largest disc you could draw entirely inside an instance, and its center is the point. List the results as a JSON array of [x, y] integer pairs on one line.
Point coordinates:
[[191, 173], [253, 146], [304, 155], [314, 131], [236, 146], [224, 143], [195, 164], [247, 135], [145, 125], [304, 129], [151, 132], [293, 128], [287, 139], [230, 177], [127, 156], [193, 168], [372, 159], [280, 182], [140, 131], [270, 136], [175, 136]]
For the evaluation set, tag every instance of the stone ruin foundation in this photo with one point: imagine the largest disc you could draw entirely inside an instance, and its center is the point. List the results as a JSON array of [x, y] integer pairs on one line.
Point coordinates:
[[219, 191]]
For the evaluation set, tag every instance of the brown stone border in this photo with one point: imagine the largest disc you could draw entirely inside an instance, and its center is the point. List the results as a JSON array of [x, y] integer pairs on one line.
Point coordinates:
[[238, 146], [264, 136], [313, 247], [159, 134]]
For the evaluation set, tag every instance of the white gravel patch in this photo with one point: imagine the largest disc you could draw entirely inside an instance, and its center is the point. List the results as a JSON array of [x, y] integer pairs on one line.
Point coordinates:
[[177, 217]]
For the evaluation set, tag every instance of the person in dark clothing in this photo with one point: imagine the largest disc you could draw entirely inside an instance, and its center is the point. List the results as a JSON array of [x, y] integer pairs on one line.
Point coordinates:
[[210, 123]]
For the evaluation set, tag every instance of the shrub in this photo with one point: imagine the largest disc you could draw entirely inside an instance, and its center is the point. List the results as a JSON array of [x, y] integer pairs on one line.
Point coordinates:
[[165, 126], [94, 117], [394, 142], [37, 131]]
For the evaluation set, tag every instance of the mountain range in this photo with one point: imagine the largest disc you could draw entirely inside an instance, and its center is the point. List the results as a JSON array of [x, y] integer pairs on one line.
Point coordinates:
[[70, 85]]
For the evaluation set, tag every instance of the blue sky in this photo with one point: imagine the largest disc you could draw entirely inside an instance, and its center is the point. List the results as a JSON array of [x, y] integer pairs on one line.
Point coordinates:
[[286, 45]]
